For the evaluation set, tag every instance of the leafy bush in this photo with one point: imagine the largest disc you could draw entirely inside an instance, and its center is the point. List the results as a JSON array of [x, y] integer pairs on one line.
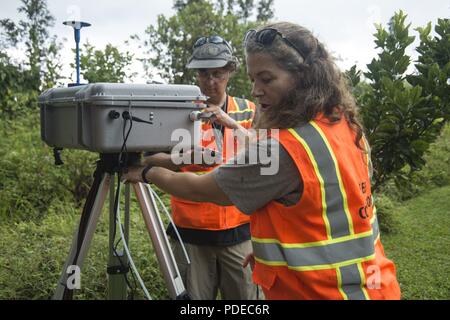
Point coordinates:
[[404, 113], [437, 169], [386, 213], [16, 99], [435, 173], [29, 180]]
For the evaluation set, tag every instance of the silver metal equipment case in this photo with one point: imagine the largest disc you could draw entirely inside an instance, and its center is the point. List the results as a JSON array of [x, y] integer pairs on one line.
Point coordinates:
[[92, 117], [120, 121]]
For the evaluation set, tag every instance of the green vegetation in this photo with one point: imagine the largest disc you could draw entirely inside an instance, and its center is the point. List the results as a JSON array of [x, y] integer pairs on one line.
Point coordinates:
[[29, 180], [169, 43], [404, 113], [109, 65], [34, 252], [42, 49], [421, 246], [434, 174]]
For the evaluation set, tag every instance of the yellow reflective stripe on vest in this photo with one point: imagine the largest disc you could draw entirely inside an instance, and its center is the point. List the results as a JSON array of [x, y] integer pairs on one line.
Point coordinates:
[[243, 112], [316, 256], [374, 223], [363, 282], [349, 289], [241, 104], [335, 209], [319, 177], [374, 233], [241, 116], [338, 175]]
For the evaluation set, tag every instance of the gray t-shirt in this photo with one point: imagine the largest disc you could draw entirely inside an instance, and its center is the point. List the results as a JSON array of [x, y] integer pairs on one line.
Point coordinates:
[[246, 182]]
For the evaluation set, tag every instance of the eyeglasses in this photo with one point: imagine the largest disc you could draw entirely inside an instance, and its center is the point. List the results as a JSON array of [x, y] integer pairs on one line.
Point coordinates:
[[215, 75], [267, 36], [212, 39]]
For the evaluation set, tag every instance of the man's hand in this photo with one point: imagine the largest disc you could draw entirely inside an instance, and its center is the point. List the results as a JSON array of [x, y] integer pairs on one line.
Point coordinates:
[[221, 117], [250, 259]]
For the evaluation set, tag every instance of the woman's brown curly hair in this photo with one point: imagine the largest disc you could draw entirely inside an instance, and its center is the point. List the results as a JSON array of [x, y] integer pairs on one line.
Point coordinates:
[[321, 86]]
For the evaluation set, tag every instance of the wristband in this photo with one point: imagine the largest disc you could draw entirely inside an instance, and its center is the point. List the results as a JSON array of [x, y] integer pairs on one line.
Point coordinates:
[[144, 173]]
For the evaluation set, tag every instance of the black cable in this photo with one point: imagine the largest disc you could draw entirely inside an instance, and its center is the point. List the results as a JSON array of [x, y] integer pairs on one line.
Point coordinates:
[[121, 165], [115, 245]]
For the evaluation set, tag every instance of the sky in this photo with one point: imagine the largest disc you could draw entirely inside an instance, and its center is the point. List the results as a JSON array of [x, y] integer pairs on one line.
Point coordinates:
[[345, 26]]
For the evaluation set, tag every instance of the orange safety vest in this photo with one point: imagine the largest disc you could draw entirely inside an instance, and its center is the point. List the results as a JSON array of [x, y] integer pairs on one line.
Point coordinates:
[[327, 246], [208, 216]]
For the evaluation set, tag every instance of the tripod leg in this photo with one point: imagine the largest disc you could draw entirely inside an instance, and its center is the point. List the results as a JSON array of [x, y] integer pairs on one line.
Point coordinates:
[[160, 242], [117, 286], [83, 235]]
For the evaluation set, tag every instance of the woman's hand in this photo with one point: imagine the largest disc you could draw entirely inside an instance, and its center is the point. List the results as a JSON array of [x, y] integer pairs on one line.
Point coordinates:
[[208, 157], [249, 259], [133, 174]]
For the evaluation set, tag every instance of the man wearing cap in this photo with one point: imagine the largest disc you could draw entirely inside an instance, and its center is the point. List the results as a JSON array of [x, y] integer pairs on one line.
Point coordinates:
[[217, 239]]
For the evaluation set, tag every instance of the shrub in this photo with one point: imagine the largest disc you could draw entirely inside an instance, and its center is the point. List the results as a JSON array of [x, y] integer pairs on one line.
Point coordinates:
[[437, 169], [435, 173], [29, 180], [386, 213]]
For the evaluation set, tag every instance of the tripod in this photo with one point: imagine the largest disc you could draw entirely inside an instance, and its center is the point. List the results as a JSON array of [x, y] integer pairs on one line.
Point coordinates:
[[107, 168]]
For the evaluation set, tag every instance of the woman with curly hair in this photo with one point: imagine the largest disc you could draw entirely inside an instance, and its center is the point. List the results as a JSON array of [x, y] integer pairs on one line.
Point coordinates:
[[313, 222]]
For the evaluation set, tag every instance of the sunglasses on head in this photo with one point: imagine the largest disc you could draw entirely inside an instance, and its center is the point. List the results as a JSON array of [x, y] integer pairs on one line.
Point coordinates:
[[212, 39], [267, 36]]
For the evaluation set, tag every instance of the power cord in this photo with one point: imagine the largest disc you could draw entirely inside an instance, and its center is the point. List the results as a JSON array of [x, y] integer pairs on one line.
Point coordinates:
[[130, 259], [123, 162]]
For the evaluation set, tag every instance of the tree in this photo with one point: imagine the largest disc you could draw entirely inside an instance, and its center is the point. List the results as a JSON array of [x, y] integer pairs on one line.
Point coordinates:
[[433, 66], [109, 65], [265, 11], [15, 99], [401, 117], [42, 49], [169, 43]]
